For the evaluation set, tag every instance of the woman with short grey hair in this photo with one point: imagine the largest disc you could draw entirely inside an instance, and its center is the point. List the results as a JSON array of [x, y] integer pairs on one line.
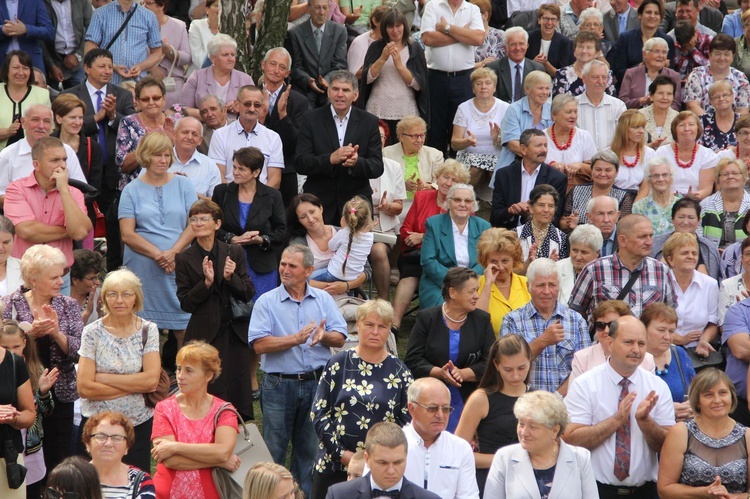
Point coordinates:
[[585, 243], [542, 418], [657, 204]]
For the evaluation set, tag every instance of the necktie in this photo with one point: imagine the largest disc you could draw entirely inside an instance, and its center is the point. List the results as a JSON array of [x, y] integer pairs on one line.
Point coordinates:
[[623, 18], [622, 440], [394, 494], [102, 130], [271, 101], [318, 34], [517, 84]]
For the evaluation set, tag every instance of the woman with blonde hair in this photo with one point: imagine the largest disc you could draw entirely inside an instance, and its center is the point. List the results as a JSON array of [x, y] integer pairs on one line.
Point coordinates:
[[629, 143], [268, 481], [718, 123], [153, 216], [500, 254]]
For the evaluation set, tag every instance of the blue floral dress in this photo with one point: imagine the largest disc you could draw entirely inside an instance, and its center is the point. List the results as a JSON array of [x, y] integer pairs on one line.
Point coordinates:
[[715, 139], [568, 82]]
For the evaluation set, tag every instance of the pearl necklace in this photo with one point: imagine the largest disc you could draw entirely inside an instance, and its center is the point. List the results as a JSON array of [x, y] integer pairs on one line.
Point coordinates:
[[634, 163], [681, 163], [566, 146], [451, 319]]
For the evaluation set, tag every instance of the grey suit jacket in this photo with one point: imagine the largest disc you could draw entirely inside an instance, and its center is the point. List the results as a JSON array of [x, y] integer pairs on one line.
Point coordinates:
[[504, 90], [512, 475], [306, 62], [708, 17], [612, 25], [81, 12]]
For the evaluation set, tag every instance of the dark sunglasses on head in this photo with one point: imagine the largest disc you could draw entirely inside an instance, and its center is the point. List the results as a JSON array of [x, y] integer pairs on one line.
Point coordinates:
[[50, 493], [601, 326]]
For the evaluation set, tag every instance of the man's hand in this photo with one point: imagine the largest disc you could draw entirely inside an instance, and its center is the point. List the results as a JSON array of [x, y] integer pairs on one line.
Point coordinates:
[[322, 83], [14, 28], [59, 177], [623, 409], [351, 161], [135, 71], [314, 86], [342, 154], [553, 335], [57, 73], [303, 334], [646, 406], [521, 208], [122, 71], [283, 101], [70, 61], [320, 333], [440, 25]]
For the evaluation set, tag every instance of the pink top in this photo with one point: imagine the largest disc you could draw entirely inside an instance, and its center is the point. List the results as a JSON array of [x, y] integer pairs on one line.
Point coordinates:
[[593, 356], [26, 201], [202, 83], [169, 420]]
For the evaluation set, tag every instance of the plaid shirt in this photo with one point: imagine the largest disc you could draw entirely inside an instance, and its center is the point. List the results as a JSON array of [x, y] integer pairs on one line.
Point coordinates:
[[604, 278], [553, 366], [684, 63]]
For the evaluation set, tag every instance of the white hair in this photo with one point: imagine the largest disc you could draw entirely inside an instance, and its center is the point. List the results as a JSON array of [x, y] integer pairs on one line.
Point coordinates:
[[589, 66], [540, 267], [515, 30], [651, 44], [592, 202], [590, 12], [657, 161], [587, 234], [467, 187]]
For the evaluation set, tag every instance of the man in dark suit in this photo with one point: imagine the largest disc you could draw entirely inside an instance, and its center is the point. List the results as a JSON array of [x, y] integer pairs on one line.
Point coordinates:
[[26, 23], [385, 455], [512, 69], [339, 148], [620, 19], [510, 199], [63, 56], [286, 107], [318, 48], [106, 105]]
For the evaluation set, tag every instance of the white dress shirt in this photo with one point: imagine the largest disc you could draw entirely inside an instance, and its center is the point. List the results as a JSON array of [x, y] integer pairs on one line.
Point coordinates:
[[226, 140], [699, 304], [528, 180], [446, 467], [65, 38], [461, 244], [341, 124], [456, 56], [200, 169], [600, 121], [594, 397], [16, 163]]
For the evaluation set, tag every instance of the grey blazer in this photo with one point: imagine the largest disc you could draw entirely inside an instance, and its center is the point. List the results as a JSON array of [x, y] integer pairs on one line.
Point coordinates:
[[306, 62], [81, 12], [511, 475], [612, 25]]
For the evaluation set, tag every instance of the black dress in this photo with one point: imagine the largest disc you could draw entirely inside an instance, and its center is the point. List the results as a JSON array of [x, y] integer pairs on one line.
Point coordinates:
[[497, 430], [8, 396]]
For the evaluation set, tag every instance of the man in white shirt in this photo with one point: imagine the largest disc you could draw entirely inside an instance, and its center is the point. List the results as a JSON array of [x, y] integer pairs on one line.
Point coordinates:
[[438, 460], [598, 112], [248, 132], [450, 31], [15, 160], [199, 168], [621, 414], [71, 19]]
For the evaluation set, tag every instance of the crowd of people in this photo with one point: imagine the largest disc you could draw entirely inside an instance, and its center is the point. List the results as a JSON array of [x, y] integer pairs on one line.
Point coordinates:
[[563, 189]]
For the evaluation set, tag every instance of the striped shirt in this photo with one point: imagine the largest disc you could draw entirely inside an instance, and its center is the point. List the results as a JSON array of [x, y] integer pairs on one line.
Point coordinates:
[[146, 488], [553, 366], [600, 121], [604, 278]]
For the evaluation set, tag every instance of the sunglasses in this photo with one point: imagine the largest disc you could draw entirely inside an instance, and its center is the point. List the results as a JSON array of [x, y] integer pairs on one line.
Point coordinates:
[[601, 326], [51, 493]]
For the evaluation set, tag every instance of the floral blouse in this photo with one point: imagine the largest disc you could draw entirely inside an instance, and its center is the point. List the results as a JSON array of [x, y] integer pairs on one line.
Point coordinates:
[[742, 57], [352, 396], [715, 139], [696, 87], [491, 47], [71, 325], [568, 82], [129, 134], [661, 217]]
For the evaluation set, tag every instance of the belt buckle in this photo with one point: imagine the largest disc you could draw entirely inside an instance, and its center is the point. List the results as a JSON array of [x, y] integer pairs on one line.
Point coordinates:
[[301, 376], [624, 492]]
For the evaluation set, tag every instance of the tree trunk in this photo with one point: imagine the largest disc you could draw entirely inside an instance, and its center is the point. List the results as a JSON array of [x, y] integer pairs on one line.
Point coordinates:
[[271, 34], [233, 24]]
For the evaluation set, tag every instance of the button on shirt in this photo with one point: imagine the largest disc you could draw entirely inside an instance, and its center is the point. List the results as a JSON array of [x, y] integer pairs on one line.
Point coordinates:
[[701, 299], [457, 56], [226, 140], [593, 397], [341, 124], [16, 163], [445, 468], [277, 314], [528, 180], [65, 39], [600, 121], [461, 244], [202, 172]]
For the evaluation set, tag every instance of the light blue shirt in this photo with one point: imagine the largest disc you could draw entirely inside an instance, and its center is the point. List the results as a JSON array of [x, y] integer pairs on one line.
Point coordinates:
[[276, 313], [202, 172], [518, 118], [12, 6], [609, 244], [134, 44], [732, 24]]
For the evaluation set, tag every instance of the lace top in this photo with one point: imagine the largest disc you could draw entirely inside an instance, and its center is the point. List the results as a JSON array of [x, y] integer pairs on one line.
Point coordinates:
[[706, 457]]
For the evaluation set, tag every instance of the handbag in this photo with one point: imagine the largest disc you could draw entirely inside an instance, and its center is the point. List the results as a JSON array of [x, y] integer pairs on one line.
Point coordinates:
[[162, 389], [16, 472], [676, 356], [100, 225], [228, 484], [169, 83], [241, 309], [714, 359]]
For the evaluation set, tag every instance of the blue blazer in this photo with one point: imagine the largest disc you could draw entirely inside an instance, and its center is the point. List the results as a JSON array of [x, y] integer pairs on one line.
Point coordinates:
[[39, 27], [439, 255]]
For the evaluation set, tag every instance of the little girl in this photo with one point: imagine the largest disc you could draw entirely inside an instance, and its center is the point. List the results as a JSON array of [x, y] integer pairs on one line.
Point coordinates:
[[13, 338], [351, 245]]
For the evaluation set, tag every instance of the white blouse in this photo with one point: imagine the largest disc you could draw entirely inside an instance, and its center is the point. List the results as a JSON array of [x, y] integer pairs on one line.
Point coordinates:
[[631, 178], [684, 178], [580, 150]]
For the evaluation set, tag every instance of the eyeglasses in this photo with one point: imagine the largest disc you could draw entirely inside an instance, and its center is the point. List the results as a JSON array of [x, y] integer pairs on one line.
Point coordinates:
[[465, 201], [549, 19], [415, 136], [722, 96], [660, 175], [433, 409], [125, 295], [200, 220], [729, 174], [50, 493], [102, 437], [257, 105], [151, 99], [94, 278], [601, 326]]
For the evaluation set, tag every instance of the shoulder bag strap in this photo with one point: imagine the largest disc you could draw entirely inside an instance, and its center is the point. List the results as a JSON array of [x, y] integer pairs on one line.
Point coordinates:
[[15, 388], [144, 332], [137, 483], [122, 28], [228, 407], [676, 356], [629, 285], [88, 156]]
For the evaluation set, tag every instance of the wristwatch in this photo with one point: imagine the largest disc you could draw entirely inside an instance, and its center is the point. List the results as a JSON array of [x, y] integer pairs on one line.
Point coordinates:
[[78, 56], [447, 28]]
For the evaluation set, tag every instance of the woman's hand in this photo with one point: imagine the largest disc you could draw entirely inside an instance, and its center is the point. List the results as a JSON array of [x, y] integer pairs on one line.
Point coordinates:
[[386, 53], [703, 348], [554, 255], [335, 288], [490, 274], [471, 139], [208, 272], [346, 457], [47, 379], [12, 129], [532, 252], [716, 489], [229, 268], [655, 144], [495, 133], [682, 411], [249, 237], [8, 414], [163, 449], [450, 374], [232, 464], [45, 322], [414, 239], [89, 307], [686, 339]]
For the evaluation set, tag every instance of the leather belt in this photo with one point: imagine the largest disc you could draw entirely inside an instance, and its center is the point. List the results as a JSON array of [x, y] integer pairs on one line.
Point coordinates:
[[308, 376]]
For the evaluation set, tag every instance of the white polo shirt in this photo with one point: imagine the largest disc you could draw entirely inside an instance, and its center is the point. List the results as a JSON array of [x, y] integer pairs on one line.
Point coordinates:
[[594, 397], [16, 163], [457, 56], [226, 140]]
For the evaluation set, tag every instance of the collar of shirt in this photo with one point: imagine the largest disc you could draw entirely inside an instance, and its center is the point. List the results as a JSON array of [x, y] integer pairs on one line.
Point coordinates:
[[286, 296], [513, 66], [525, 173], [30, 181], [93, 90], [694, 281], [558, 312], [322, 28], [526, 108], [410, 428], [616, 377], [193, 157], [24, 147], [241, 130], [624, 14], [119, 7], [465, 233], [336, 116], [583, 99], [617, 263], [374, 485]]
